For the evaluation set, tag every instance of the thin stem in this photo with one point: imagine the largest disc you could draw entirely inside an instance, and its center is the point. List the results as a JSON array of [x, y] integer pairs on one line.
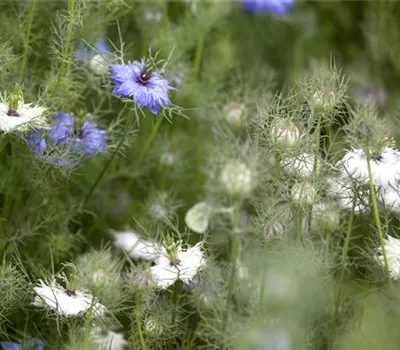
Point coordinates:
[[106, 166], [278, 171], [150, 139], [339, 285], [235, 248], [299, 225], [197, 57], [65, 52], [26, 41], [138, 313], [374, 204]]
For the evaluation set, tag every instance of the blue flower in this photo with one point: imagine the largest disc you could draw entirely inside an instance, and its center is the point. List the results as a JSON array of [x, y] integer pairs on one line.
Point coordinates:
[[63, 145], [32, 344], [62, 128], [279, 7], [83, 52], [147, 87], [90, 140]]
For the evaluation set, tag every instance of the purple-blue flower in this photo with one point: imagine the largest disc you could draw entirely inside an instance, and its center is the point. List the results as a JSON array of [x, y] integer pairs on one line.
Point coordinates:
[[148, 88], [63, 145], [90, 139], [84, 52], [62, 128], [31, 344], [279, 7]]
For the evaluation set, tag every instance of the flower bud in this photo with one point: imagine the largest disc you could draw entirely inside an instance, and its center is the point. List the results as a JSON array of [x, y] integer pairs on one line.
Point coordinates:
[[324, 99], [273, 230], [325, 216], [153, 328], [284, 132], [303, 193], [98, 65], [234, 113], [237, 178]]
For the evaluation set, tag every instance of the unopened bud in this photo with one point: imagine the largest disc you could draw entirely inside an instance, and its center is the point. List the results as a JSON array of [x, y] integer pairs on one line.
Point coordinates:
[[234, 113], [284, 132], [303, 193], [237, 178]]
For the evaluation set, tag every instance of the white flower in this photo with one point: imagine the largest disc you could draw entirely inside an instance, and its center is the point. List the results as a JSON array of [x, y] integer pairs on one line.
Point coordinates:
[[392, 249], [284, 132], [137, 247], [391, 198], [66, 302], [348, 194], [108, 340], [198, 217], [236, 177], [301, 165], [165, 272], [385, 167], [22, 119]]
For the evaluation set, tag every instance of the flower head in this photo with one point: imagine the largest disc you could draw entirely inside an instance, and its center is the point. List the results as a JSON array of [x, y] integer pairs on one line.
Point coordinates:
[[33, 344], [279, 7], [66, 302], [63, 144], [385, 167], [137, 247], [21, 118], [301, 166], [174, 263], [108, 339], [90, 139], [237, 178], [392, 248], [148, 88]]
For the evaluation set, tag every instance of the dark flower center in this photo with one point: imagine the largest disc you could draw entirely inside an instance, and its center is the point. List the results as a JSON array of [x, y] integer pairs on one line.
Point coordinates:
[[175, 263], [12, 113], [70, 293], [378, 158], [144, 77]]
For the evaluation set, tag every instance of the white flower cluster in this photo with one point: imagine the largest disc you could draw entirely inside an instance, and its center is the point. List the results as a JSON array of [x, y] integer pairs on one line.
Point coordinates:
[[166, 270]]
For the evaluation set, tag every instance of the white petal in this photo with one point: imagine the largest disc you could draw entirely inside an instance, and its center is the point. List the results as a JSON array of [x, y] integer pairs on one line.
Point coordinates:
[[198, 217]]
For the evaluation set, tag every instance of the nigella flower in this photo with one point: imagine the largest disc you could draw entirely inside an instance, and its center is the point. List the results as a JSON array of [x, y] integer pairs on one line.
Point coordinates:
[[66, 302], [109, 340], [90, 139], [63, 144], [148, 88], [33, 344], [174, 264], [279, 7], [301, 166], [136, 247], [392, 249], [385, 167], [22, 118]]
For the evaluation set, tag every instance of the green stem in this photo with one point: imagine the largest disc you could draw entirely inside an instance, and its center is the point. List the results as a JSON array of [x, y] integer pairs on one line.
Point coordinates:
[[299, 225], [106, 166], [278, 171], [26, 41], [150, 139], [65, 52], [235, 248], [339, 285], [138, 313], [375, 211], [197, 57]]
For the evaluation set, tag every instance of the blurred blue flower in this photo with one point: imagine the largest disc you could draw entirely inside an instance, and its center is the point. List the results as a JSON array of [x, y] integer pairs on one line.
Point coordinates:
[[62, 128], [147, 87], [31, 344], [63, 145], [279, 7], [90, 140], [84, 52]]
